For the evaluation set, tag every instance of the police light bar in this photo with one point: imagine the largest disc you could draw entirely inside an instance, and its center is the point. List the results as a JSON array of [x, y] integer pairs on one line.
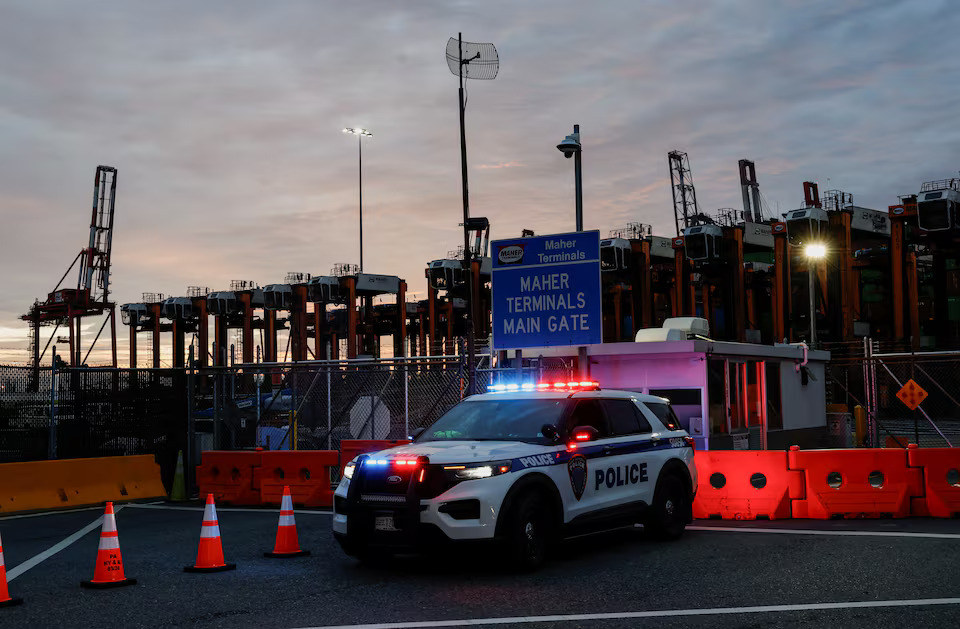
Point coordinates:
[[584, 385]]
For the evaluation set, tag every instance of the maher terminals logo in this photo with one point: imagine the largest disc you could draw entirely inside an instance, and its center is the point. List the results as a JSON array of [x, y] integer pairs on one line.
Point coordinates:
[[510, 254]]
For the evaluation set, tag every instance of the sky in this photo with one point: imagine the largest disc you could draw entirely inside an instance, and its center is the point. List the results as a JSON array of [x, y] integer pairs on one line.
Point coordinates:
[[224, 118]]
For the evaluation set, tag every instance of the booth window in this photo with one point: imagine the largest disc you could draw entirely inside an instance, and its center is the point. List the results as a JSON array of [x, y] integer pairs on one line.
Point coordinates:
[[755, 393], [717, 395], [774, 403], [737, 398]]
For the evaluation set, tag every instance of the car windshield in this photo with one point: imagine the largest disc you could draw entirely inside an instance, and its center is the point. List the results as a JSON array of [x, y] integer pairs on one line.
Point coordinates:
[[496, 420]]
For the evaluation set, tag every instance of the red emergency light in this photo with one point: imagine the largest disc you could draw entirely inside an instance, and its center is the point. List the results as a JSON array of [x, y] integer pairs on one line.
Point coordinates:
[[582, 385]]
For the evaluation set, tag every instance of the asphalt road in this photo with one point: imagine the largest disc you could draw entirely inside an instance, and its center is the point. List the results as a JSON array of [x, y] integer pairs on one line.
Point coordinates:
[[747, 574]]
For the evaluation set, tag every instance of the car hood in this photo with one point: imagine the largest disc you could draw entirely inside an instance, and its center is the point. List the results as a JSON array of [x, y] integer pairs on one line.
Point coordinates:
[[463, 451]]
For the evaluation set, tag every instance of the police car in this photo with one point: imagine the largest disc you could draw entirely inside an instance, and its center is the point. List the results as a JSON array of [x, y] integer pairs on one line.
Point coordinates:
[[523, 466]]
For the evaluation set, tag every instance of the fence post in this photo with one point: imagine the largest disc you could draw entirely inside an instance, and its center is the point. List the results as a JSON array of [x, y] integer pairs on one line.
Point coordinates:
[[873, 414], [52, 445], [217, 386], [329, 410], [191, 426], [406, 399]]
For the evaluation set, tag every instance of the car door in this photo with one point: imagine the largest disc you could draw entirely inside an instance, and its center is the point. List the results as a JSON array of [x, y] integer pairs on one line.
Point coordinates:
[[627, 476], [590, 458]]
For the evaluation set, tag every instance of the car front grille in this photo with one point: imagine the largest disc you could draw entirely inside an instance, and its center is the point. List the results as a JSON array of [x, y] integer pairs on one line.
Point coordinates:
[[383, 499]]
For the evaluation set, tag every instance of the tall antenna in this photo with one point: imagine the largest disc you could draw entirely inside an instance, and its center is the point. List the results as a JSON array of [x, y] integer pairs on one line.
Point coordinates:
[[469, 60]]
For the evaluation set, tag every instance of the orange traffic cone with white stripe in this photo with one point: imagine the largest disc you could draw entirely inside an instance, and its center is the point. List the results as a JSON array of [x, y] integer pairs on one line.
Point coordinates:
[[108, 572], [210, 551], [5, 599], [287, 544]]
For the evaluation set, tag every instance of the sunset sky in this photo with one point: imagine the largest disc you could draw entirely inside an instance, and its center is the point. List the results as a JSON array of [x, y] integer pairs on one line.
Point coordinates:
[[224, 121]]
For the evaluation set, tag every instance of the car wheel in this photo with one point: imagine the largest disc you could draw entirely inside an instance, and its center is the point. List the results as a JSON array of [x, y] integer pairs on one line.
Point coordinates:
[[528, 533], [668, 516]]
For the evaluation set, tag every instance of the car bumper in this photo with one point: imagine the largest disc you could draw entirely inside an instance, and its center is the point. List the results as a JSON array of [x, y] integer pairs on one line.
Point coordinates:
[[360, 521]]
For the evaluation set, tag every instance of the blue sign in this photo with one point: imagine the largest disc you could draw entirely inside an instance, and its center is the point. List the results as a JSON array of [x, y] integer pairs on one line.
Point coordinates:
[[546, 291]]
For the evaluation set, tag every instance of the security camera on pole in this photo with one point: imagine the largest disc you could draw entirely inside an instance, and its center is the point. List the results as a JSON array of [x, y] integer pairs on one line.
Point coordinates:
[[570, 147], [480, 62]]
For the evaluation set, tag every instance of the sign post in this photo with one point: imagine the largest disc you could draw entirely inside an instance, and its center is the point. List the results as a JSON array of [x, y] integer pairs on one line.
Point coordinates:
[[547, 291]]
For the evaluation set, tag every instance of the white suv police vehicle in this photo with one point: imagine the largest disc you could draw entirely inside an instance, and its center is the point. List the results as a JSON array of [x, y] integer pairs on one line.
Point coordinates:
[[523, 466]]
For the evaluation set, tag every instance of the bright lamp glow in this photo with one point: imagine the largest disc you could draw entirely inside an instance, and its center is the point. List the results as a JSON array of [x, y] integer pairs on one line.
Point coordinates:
[[473, 473], [348, 470], [815, 251]]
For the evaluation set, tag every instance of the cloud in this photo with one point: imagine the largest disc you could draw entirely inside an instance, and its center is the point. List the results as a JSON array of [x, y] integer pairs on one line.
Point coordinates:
[[500, 165]]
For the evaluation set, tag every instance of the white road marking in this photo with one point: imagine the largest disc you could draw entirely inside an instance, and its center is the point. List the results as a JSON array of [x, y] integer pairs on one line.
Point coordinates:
[[664, 613], [228, 509], [56, 548], [43, 513], [735, 529]]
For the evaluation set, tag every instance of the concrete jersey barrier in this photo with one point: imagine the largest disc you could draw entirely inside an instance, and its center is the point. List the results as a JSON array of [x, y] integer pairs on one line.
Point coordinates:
[[38, 485]]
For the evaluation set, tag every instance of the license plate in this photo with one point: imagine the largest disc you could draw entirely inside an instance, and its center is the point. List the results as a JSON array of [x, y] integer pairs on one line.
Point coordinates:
[[385, 523]]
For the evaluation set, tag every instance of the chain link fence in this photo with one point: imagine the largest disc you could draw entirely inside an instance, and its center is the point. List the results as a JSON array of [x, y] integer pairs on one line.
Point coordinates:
[[871, 379], [316, 405], [72, 413]]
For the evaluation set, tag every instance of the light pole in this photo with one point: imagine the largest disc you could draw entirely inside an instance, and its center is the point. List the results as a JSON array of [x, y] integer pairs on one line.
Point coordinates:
[[360, 133], [570, 147], [813, 252]]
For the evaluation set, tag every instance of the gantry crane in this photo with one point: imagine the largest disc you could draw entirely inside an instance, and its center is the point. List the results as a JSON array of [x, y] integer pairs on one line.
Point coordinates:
[[91, 297]]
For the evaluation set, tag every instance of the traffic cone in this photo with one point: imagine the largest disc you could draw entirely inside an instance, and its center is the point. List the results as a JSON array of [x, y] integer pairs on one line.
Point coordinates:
[[5, 599], [210, 551], [287, 544], [179, 490], [108, 573]]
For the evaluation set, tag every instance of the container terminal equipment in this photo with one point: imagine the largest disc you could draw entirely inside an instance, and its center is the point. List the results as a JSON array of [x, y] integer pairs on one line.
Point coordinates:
[[888, 275], [91, 297]]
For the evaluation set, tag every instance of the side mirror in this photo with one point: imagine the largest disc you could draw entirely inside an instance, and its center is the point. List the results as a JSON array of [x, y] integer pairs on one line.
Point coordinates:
[[550, 432], [416, 432], [584, 433]]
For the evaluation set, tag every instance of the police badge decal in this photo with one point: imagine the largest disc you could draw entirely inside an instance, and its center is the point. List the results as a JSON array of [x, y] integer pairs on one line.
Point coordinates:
[[577, 467]]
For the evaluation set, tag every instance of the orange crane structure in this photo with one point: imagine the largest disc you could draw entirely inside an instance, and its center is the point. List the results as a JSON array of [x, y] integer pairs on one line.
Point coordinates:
[[91, 297]]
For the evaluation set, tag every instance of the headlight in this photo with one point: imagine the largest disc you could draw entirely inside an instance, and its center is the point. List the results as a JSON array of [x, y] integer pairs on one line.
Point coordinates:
[[348, 469], [474, 472]]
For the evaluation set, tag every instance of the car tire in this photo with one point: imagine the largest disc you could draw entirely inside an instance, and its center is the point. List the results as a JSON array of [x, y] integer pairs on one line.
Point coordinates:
[[528, 532], [667, 518]]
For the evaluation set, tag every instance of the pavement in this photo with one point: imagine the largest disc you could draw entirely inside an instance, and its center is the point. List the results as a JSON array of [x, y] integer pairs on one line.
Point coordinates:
[[794, 573]]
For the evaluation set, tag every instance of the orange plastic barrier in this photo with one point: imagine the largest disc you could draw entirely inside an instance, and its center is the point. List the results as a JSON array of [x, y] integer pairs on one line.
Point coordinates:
[[352, 448], [306, 472], [941, 481], [230, 476], [77, 482], [745, 485], [855, 483]]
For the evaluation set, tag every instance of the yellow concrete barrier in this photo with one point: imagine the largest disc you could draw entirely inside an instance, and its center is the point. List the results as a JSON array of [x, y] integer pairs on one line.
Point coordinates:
[[78, 482]]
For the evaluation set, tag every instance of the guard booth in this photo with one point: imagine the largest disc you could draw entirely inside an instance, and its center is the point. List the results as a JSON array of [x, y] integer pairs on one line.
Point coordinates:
[[727, 395]]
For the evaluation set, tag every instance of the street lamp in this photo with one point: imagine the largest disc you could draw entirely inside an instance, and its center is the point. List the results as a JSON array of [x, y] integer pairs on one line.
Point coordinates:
[[360, 133], [570, 147], [813, 252]]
